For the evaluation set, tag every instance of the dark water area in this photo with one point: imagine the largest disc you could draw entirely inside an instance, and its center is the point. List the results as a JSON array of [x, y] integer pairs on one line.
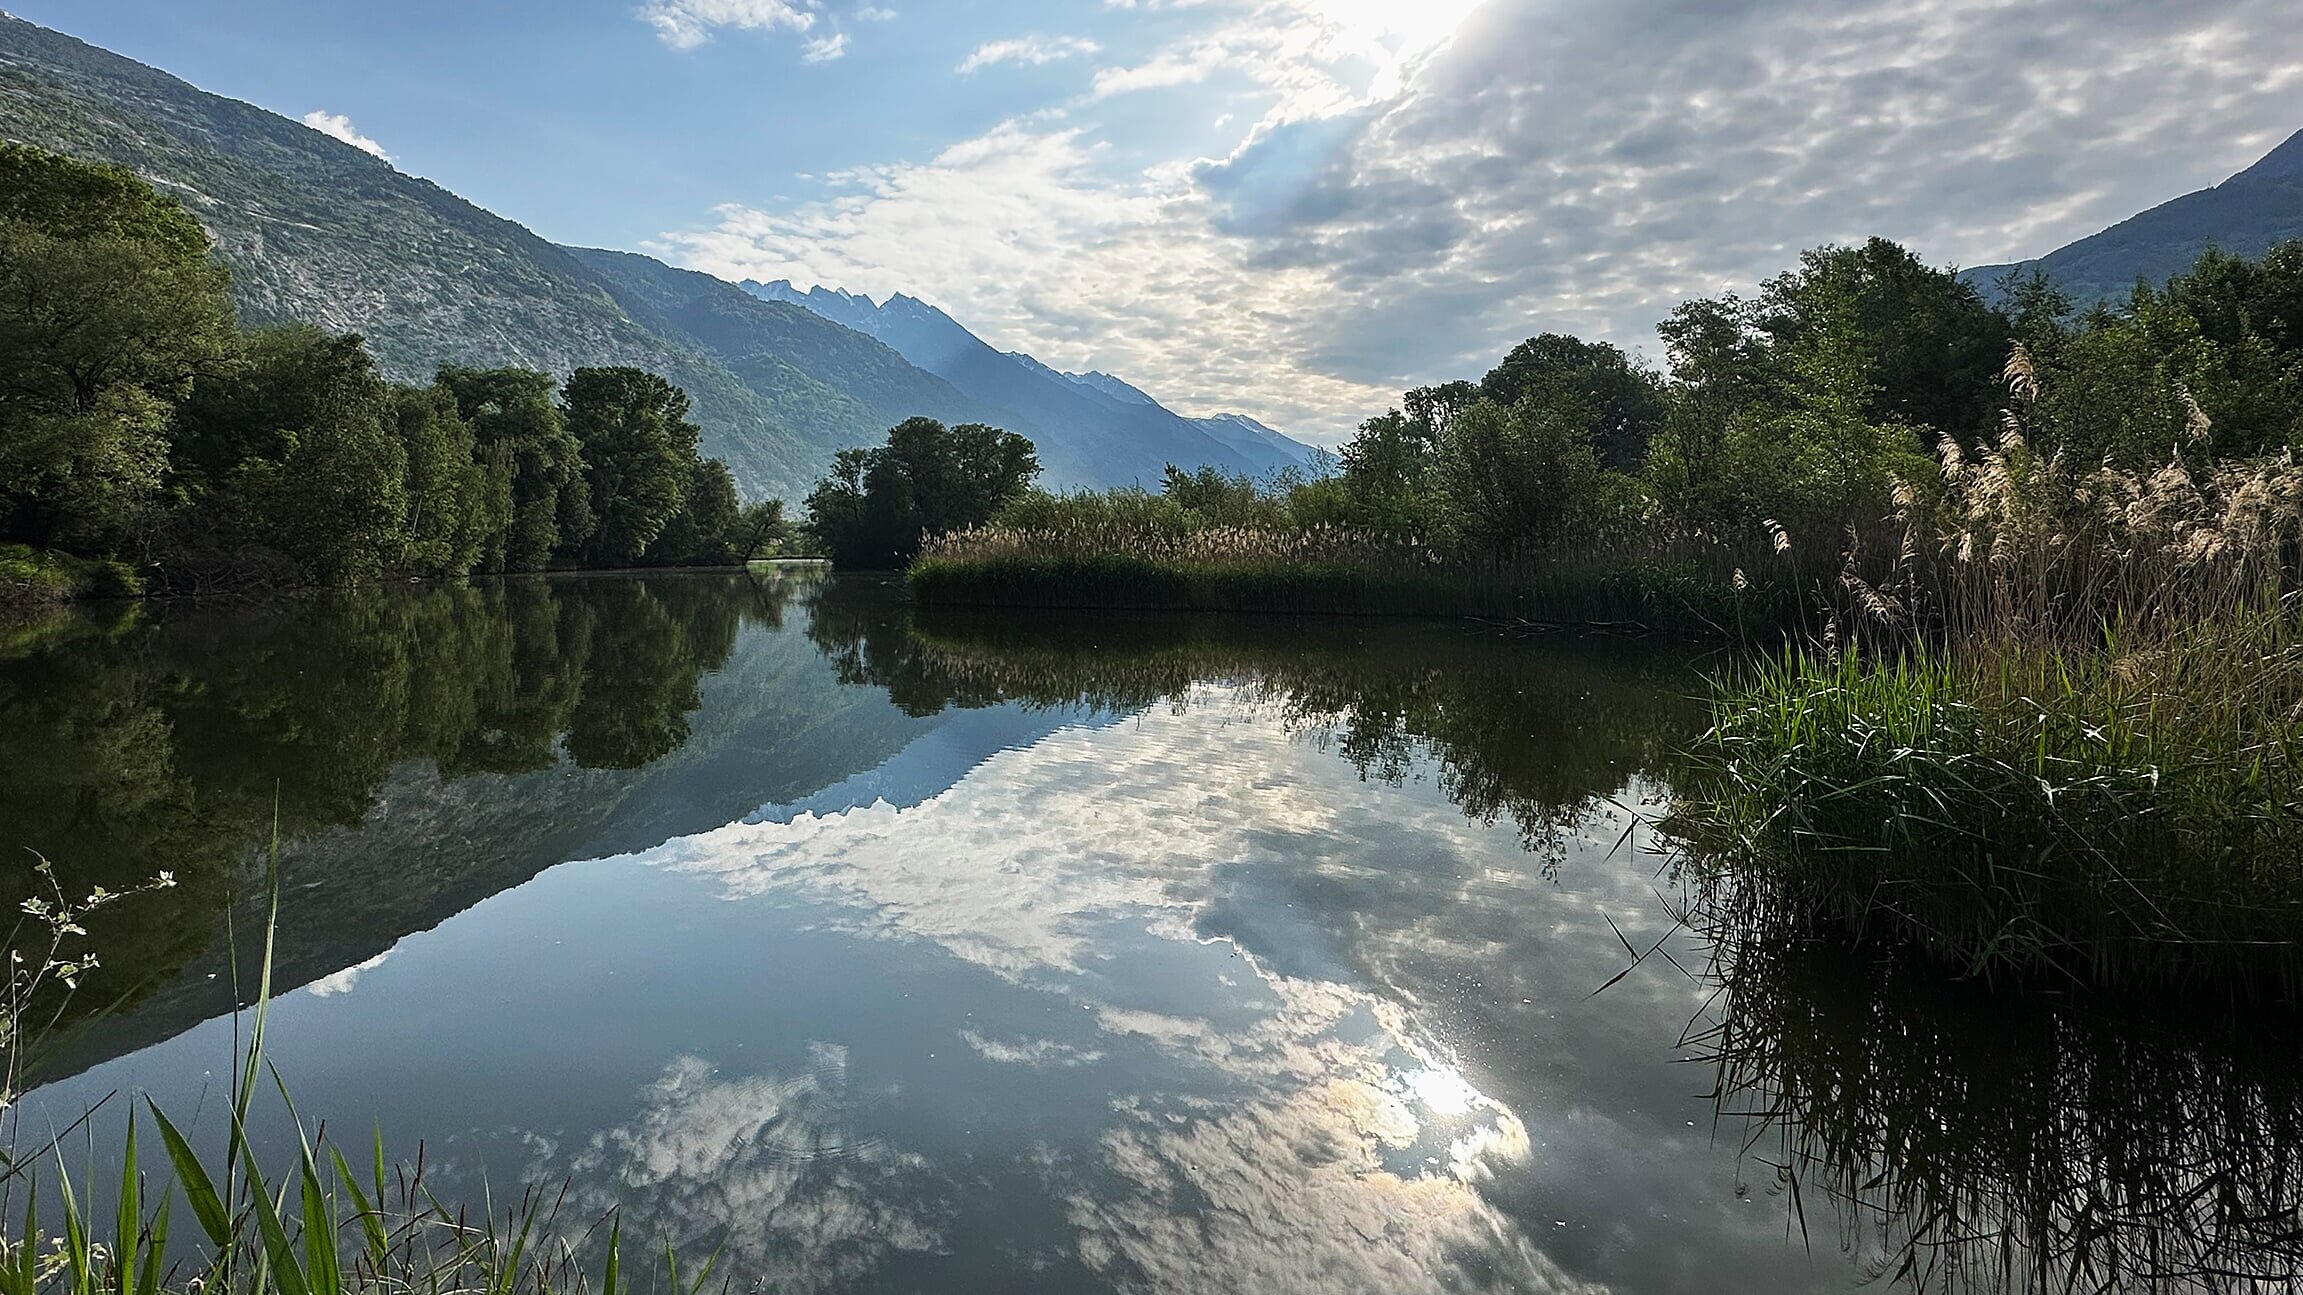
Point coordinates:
[[885, 952]]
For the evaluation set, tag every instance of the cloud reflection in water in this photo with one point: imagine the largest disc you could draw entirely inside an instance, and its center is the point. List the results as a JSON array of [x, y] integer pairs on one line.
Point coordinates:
[[1298, 1132]]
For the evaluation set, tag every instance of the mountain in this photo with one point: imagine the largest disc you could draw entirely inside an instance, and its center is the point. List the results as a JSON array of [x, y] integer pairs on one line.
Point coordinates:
[[1091, 429], [1242, 434], [319, 232], [2245, 215], [1249, 437], [832, 375]]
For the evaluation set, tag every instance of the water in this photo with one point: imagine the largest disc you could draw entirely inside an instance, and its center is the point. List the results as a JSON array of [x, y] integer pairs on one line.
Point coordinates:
[[993, 954]]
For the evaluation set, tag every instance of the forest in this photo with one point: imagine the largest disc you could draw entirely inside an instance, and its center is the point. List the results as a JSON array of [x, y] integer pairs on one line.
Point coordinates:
[[148, 443]]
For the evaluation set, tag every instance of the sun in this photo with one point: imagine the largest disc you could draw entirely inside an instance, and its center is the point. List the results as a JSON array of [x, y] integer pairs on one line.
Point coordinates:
[[1409, 26]]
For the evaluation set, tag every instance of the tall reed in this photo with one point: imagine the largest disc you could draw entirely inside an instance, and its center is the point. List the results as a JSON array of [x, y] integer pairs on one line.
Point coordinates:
[[1127, 563], [2131, 814]]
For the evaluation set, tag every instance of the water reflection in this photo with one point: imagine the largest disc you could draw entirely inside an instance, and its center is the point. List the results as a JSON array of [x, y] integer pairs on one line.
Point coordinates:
[[1985, 1142], [1086, 954], [1947, 1138], [177, 740], [1535, 735]]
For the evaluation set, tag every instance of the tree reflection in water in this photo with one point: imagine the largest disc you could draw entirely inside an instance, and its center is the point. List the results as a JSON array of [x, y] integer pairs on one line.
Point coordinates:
[[1959, 1138], [1538, 737], [176, 738], [1988, 1141]]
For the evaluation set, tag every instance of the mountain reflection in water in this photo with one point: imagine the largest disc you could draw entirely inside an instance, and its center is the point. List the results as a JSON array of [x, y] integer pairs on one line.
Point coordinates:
[[978, 953]]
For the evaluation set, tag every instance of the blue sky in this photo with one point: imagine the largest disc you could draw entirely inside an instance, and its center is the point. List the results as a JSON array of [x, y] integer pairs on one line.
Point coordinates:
[[1292, 208]]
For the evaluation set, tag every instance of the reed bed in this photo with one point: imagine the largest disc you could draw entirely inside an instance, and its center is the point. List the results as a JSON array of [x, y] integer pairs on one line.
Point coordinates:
[[2050, 728], [2129, 815], [1125, 565]]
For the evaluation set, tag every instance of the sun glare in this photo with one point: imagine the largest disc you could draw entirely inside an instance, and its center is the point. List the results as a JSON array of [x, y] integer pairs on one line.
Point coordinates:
[[1410, 25]]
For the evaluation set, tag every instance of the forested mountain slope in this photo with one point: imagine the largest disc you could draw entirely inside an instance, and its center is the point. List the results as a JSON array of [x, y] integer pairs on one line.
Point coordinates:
[[317, 231]]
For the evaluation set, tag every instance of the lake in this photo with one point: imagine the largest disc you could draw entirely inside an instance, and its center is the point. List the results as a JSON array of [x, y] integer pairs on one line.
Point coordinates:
[[884, 952]]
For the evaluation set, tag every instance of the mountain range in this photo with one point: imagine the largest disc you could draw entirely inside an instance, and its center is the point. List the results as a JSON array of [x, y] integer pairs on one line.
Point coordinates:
[[2246, 215], [1126, 433], [317, 231]]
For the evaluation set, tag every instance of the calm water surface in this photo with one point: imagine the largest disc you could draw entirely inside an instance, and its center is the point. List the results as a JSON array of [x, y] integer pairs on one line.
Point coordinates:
[[1052, 953]]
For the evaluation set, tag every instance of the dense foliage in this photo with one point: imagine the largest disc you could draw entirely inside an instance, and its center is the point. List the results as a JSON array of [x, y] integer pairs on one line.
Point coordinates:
[[1842, 448], [927, 479], [141, 427]]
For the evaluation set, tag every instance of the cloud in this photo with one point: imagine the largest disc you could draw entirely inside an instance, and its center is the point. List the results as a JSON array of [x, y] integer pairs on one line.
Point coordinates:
[[992, 229], [1034, 51], [685, 24], [823, 49], [336, 125], [1402, 209]]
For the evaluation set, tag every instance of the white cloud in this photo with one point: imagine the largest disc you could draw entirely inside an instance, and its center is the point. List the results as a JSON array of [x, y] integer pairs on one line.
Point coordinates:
[[1401, 207], [1035, 51], [336, 125], [983, 228], [685, 24], [823, 49]]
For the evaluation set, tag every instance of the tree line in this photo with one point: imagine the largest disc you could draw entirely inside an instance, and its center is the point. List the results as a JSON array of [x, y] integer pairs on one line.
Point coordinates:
[[1786, 417], [149, 441]]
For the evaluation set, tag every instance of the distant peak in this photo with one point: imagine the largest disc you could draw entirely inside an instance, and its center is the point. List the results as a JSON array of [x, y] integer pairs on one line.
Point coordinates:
[[785, 290], [2282, 163]]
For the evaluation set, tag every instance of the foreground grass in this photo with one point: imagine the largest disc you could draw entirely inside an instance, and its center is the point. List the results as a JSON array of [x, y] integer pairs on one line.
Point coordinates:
[[2126, 816], [320, 1228]]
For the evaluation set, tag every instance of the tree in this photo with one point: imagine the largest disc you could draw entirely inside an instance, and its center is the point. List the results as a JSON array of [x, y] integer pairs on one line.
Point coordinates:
[[110, 306], [712, 528], [1387, 470], [297, 449], [1517, 476], [522, 438], [1920, 340], [874, 505], [449, 518], [639, 455], [1626, 400]]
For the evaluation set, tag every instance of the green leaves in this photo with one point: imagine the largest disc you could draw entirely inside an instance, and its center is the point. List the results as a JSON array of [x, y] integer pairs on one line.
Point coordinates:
[[875, 506]]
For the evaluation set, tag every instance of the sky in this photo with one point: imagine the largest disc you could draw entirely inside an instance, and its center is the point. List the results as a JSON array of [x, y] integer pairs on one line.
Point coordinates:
[[1289, 208]]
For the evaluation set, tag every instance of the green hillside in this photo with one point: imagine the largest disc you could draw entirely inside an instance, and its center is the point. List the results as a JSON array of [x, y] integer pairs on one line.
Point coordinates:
[[317, 231], [845, 380]]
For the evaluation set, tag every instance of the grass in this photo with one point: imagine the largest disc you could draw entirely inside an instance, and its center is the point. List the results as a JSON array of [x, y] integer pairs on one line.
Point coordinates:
[[322, 1227], [1322, 571], [2130, 815], [35, 578]]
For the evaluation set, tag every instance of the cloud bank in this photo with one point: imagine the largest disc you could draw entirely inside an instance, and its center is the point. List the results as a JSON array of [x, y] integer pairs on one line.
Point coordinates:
[[1402, 209]]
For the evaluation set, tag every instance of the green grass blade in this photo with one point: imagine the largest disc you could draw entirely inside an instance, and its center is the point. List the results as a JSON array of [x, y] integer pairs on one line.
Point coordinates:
[[282, 1268], [378, 1241], [79, 1263], [199, 1190], [155, 1250], [129, 1214]]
